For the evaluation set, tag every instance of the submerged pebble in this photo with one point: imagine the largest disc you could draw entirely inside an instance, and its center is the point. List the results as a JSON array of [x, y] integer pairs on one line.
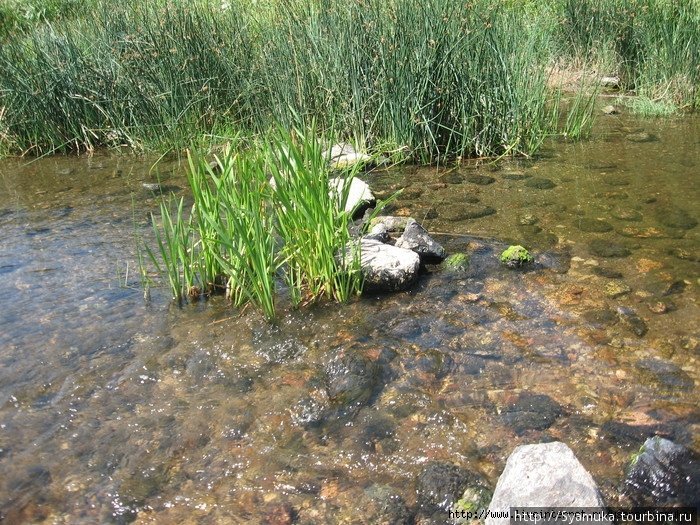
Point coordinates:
[[540, 183]]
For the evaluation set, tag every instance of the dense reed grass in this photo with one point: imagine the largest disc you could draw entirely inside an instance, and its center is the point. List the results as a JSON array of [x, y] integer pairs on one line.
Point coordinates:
[[266, 219], [440, 79], [654, 46]]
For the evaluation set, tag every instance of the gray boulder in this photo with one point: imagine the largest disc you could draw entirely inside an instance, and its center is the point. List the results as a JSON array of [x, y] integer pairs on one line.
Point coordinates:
[[417, 239], [386, 267], [543, 475]]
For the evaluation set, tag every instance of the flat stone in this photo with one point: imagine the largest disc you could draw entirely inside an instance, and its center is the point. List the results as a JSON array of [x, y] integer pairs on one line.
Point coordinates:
[[391, 223], [605, 248], [515, 176], [540, 183], [531, 412], [608, 273], [641, 136], [480, 180], [601, 317], [344, 155], [592, 225], [665, 374], [615, 289], [460, 212], [673, 217], [609, 110], [543, 475], [627, 215]]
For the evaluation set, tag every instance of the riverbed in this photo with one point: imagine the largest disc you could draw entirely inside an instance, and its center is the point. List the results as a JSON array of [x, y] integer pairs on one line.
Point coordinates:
[[116, 409]]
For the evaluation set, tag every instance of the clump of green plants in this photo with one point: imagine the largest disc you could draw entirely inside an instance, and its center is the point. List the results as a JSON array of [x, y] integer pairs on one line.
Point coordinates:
[[515, 256], [265, 219]]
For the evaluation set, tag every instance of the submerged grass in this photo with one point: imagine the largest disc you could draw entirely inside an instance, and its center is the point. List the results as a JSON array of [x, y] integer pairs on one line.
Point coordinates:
[[264, 216]]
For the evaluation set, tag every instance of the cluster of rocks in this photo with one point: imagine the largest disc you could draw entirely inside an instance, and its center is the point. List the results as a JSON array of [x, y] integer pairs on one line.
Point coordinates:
[[544, 475]]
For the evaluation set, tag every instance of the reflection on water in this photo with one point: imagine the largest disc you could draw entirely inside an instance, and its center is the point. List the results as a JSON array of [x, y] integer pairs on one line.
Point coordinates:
[[116, 410]]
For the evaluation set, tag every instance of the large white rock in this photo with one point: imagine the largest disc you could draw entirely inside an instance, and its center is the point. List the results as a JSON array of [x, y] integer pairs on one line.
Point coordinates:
[[387, 268], [544, 475], [359, 193]]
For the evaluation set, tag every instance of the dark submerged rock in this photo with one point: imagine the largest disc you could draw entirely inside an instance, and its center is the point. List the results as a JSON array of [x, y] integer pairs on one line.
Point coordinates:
[[663, 473], [605, 248], [540, 183], [460, 212], [531, 412], [601, 317], [665, 373], [441, 484], [608, 273], [592, 225], [351, 379], [632, 321], [480, 180], [386, 506], [673, 217]]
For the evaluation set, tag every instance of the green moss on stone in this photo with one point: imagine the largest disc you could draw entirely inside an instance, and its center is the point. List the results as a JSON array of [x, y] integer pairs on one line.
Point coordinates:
[[515, 256]]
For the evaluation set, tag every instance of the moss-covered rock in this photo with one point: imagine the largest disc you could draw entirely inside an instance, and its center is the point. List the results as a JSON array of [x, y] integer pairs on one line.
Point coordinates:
[[457, 262], [516, 256]]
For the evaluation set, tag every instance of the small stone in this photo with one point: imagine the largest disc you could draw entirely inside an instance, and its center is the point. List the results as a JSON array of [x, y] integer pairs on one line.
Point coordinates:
[[456, 262], [593, 225], [615, 289], [460, 212], [480, 180], [627, 215], [516, 176], [528, 220], [279, 514], [663, 473], [684, 254], [632, 321], [641, 136], [610, 110], [540, 183], [610, 82], [515, 256], [608, 273], [604, 248], [391, 223], [359, 196], [386, 267], [647, 265], [661, 307]]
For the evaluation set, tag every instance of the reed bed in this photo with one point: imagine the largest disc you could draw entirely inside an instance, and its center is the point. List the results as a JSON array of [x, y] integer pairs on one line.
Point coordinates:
[[438, 79], [654, 46], [265, 220]]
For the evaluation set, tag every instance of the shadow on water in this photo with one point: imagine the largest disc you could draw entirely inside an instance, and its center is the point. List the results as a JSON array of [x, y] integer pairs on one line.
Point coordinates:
[[113, 410]]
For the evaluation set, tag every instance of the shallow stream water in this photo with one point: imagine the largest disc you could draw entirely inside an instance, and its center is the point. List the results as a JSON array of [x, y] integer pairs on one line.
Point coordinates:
[[114, 409]]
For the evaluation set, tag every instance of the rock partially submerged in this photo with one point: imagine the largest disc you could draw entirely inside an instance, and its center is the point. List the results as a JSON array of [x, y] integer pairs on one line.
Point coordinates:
[[543, 475], [515, 256], [387, 268], [663, 473], [417, 239]]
